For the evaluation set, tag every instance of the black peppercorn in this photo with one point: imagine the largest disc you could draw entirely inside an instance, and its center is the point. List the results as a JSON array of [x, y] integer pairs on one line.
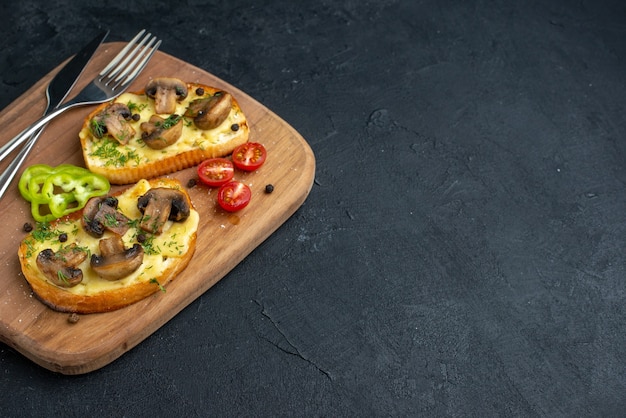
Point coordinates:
[[27, 227], [141, 238], [136, 117], [200, 91], [269, 188], [234, 127], [191, 183], [73, 318], [63, 237]]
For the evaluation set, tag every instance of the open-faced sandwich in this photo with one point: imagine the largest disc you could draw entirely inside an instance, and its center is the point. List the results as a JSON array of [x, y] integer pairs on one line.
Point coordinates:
[[117, 250], [169, 126]]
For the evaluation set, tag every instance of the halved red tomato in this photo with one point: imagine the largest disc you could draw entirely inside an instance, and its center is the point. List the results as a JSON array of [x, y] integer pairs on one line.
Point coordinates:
[[249, 156], [216, 171], [233, 196]]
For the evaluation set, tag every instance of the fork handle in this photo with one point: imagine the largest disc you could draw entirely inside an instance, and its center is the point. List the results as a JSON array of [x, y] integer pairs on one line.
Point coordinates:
[[15, 142], [9, 173]]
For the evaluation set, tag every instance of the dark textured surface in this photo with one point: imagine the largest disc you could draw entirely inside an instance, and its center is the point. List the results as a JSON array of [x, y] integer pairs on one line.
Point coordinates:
[[462, 250]]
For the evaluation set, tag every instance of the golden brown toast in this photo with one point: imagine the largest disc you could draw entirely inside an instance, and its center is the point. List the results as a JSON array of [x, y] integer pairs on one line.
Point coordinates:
[[125, 157], [163, 256]]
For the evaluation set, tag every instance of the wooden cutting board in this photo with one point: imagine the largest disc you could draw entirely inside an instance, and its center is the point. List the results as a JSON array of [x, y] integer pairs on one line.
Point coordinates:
[[47, 337]]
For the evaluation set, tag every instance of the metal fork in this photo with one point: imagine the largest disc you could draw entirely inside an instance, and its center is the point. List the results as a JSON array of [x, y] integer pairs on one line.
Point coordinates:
[[112, 81]]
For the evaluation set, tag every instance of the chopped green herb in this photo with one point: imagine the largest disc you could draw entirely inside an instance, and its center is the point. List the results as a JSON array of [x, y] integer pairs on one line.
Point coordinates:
[[98, 128], [44, 232], [149, 247], [30, 248], [134, 107], [169, 122], [113, 154], [155, 281], [134, 223], [110, 220], [62, 277]]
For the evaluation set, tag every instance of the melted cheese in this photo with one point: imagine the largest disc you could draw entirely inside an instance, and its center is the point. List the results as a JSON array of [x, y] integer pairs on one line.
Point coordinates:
[[159, 254], [136, 153]]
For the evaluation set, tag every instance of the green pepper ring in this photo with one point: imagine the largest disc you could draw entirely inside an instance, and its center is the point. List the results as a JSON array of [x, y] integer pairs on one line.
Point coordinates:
[[63, 189]]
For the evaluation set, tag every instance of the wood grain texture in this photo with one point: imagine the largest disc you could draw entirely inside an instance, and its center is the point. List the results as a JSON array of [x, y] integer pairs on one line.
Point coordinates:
[[47, 337]]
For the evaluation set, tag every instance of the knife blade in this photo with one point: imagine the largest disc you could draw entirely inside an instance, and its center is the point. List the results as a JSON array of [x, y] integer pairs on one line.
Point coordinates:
[[66, 78], [56, 92], [62, 83]]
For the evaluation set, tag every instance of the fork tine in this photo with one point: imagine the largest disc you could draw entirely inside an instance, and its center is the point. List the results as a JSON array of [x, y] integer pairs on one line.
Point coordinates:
[[125, 59], [121, 54], [138, 63], [140, 66]]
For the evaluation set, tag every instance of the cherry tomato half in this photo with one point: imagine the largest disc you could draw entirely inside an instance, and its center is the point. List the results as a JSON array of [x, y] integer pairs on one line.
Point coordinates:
[[216, 171], [233, 196], [249, 156]]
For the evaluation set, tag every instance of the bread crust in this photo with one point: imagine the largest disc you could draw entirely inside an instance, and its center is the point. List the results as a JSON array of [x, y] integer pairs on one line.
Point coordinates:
[[221, 141], [60, 299]]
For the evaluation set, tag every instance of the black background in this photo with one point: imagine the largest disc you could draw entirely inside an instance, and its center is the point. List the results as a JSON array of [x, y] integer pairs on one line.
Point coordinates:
[[462, 250]]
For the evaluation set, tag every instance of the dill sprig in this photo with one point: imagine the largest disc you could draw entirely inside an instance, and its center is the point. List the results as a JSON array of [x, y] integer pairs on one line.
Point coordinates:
[[113, 155]]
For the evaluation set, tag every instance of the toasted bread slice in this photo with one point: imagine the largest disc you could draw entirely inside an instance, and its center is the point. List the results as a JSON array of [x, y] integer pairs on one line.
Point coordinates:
[[165, 255], [131, 159]]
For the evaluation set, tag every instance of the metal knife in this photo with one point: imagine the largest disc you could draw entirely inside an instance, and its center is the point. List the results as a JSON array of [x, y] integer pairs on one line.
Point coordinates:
[[58, 89], [63, 82]]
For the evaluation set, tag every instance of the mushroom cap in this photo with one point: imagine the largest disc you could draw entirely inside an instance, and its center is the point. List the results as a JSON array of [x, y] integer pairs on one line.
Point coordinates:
[[116, 261], [113, 122], [166, 91], [158, 134], [60, 267], [100, 214], [119, 109], [210, 112], [160, 204]]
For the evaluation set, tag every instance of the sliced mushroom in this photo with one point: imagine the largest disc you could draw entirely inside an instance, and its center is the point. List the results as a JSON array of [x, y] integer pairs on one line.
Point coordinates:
[[113, 121], [159, 133], [210, 112], [116, 261], [159, 205], [166, 92], [101, 214], [60, 267]]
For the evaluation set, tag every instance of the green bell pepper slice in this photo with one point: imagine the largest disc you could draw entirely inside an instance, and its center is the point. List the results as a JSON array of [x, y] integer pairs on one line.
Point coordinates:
[[59, 190]]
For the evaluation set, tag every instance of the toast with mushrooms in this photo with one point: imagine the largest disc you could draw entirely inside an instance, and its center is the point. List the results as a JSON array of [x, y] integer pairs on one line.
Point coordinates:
[[169, 126], [117, 250]]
